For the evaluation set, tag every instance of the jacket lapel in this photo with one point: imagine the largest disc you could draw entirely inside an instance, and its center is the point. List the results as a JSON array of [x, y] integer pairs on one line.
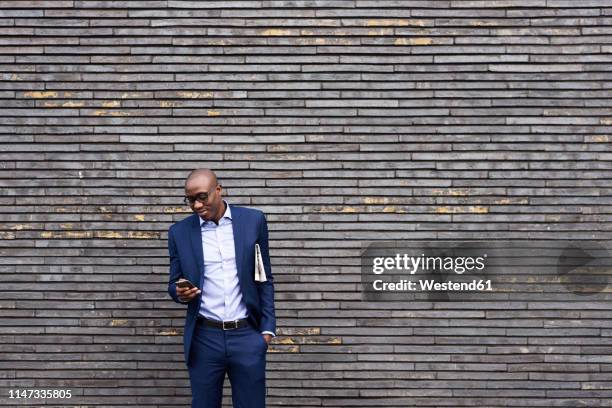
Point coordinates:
[[196, 247], [238, 239]]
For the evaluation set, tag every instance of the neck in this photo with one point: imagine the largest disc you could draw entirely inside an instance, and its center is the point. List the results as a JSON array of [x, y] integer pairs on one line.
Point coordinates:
[[220, 214]]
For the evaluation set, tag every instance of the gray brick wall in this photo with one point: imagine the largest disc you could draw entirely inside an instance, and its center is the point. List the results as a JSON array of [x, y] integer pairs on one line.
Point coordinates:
[[345, 121]]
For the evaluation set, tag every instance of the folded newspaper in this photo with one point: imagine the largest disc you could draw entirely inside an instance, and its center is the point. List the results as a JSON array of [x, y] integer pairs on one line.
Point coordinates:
[[260, 272]]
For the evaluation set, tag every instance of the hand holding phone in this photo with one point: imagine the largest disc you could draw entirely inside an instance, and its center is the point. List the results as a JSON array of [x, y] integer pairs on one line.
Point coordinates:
[[186, 291], [184, 283]]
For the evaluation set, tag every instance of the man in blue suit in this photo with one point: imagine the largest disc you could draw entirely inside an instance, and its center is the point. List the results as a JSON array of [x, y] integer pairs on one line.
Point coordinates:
[[230, 317]]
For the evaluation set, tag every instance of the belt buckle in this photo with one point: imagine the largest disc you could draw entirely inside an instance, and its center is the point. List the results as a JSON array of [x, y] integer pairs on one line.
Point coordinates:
[[235, 322]]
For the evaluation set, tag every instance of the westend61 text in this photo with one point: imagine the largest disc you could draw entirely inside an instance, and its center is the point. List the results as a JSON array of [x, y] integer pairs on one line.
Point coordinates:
[[432, 285]]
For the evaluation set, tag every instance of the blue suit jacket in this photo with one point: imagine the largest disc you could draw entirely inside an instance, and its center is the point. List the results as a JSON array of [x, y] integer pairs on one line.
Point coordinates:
[[187, 261]]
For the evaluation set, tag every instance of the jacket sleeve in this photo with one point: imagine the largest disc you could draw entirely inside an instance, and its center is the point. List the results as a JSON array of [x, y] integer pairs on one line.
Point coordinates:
[[266, 289], [175, 268]]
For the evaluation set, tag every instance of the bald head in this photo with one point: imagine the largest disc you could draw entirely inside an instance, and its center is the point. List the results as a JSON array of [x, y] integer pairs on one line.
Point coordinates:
[[206, 174], [203, 183]]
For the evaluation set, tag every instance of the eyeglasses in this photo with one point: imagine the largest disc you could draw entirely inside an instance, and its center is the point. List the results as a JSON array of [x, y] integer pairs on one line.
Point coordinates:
[[201, 197]]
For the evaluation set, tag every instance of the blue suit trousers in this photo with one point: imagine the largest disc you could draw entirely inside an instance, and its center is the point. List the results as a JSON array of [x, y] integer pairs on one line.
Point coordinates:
[[241, 353]]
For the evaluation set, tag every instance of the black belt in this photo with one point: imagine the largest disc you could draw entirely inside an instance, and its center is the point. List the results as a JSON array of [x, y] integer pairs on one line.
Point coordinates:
[[225, 325]]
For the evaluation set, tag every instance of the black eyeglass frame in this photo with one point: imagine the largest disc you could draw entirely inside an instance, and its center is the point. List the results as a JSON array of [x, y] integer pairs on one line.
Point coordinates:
[[201, 197]]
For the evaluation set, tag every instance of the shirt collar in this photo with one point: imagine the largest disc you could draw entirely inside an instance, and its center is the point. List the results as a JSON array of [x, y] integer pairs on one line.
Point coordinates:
[[226, 214]]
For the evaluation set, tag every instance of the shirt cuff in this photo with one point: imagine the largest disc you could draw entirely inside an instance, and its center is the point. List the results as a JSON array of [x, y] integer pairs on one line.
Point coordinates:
[[270, 333]]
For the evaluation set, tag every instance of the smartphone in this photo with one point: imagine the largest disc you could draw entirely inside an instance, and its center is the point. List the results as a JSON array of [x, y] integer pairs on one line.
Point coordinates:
[[184, 283]]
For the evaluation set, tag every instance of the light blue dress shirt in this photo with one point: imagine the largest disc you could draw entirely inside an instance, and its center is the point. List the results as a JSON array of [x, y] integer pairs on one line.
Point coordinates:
[[221, 296]]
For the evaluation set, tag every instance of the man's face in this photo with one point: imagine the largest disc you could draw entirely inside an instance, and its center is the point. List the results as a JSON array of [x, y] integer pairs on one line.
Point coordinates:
[[213, 208]]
